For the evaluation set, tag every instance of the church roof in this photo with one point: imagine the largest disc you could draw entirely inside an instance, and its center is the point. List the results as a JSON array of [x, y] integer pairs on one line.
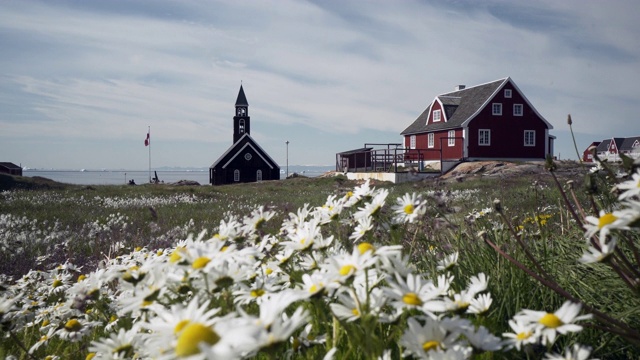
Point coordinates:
[[232, 152], [242, 99]]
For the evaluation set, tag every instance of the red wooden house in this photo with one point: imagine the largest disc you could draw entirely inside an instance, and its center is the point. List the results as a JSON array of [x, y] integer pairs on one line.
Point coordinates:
[[488, 121], [587, 154]]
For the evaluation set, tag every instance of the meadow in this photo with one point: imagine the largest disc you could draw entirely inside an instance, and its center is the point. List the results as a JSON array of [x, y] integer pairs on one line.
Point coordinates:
[[537, 266]]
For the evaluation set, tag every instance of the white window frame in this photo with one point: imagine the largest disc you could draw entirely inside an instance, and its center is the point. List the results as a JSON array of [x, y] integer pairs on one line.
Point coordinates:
[[507, 93], [518, 113], [481, 137], [529, 138], [437, 115], [259, 175], [430, 140], [412, 142], [496, 109], [451, 138], [236, 175]]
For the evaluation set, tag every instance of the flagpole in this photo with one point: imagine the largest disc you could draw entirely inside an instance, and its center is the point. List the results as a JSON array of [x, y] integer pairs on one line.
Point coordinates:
[[149, 134]]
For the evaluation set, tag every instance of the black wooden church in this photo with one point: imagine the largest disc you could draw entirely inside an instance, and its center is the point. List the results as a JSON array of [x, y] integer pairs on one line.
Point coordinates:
[[245, 160]]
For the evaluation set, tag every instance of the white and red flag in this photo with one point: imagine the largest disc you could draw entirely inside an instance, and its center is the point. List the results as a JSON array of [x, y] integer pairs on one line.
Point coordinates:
[[147, 141]]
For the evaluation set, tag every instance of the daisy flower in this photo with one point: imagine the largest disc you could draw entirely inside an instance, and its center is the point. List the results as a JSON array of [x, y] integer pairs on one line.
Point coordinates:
[[448, 261], [414, 293], [364, 225], [594, 255], [480, 304], [631, 187], [550, 324], [578, 352], [408, 208], [420, 340], [606, 222], [523, 333], [483, 340], [117, 346]]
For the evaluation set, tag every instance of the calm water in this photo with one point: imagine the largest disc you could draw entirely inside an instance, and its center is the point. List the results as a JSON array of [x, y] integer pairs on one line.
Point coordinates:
[[117, 177]]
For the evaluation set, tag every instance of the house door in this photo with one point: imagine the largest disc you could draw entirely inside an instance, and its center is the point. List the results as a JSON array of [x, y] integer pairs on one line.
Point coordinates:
[[345, 164]]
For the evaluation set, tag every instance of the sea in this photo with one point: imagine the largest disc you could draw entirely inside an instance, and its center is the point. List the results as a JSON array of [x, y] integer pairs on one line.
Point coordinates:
[[165, 175]]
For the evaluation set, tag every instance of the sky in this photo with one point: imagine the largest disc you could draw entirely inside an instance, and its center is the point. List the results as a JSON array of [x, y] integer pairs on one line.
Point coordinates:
[[81, 81]]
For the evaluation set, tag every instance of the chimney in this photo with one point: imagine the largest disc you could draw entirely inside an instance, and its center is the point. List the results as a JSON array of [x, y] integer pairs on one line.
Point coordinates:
[[460, 87]]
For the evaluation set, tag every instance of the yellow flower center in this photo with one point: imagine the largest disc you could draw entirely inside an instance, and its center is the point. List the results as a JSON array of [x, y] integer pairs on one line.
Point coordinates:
[[364, 247], [412, 299], [355, 312], [90, 356], [313, 288], [73, 325], [192, 335], [430, 345], [408, 209], [200, 262], [551, 321], [176, 255], [346, 270], [45, 322], [269, 271], [606, 219], [123, 349], [113, 318], [56, 283], [180, 326], [257, 293], [81, 277], [524, 335]]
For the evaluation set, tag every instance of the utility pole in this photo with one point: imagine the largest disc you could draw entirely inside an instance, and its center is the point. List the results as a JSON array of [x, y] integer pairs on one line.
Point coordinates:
[[287, 142]]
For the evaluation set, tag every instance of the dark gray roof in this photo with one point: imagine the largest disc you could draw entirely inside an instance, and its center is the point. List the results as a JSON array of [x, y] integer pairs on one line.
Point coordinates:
[[603, 146], [9, 165], [627, 143], [459, 106], [355, 151]]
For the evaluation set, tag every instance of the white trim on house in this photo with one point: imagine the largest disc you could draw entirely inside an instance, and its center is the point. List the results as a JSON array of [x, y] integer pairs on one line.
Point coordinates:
[[496, 109], [430, 140], [439, 117], [519, 112], [481, 138], [451, 141], [241, 150], [529, 138], [412, 142], [507, 93]]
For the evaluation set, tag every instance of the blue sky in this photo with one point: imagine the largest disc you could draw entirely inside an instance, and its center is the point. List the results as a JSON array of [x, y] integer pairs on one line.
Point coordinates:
[[80, 81]]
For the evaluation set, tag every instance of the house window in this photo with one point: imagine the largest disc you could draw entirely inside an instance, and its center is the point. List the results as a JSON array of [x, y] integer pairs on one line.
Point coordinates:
[[412, 142], [452, 140], [517, 109], [496, 108], [484, 137], [259, 175], [430, 140], [437, 115], [236, 175], [529, 138], [507, 93]]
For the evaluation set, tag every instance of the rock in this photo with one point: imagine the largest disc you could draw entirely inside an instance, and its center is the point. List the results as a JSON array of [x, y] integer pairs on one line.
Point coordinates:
[[186, 183]]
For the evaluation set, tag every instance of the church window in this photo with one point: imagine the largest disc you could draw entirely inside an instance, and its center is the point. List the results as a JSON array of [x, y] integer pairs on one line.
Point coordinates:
[[241, 126], [247, 156], [236, 175], [259, 175]]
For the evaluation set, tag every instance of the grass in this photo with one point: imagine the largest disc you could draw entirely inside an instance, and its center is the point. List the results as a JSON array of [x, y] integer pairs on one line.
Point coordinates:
[[45, 224]]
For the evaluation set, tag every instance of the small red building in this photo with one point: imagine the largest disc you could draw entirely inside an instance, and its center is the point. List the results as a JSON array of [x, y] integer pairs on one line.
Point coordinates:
[[587, 154], [488, 121], [10, 168]]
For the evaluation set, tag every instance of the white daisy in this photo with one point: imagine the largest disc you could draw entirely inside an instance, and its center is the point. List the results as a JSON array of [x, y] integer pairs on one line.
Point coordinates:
[[408, 208], [594, 255], [578, 352], [550, 324]]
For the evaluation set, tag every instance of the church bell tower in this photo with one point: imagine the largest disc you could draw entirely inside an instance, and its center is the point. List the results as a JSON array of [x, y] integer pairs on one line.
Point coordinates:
[[241, 120]]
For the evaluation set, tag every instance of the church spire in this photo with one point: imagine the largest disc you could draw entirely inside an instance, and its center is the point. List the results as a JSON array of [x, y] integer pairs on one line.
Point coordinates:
[[241, 120], [242, 99]]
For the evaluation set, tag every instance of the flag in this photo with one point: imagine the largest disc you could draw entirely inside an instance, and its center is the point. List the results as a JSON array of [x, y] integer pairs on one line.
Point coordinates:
[[147, 141]]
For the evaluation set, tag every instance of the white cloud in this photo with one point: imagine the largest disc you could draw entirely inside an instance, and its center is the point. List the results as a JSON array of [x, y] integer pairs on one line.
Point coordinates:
[[338, 68]]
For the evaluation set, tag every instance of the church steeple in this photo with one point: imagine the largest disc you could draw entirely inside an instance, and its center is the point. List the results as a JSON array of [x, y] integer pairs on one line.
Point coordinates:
[[241, 120]]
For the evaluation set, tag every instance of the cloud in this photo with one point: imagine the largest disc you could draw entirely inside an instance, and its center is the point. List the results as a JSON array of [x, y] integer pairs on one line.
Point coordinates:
[[342, 69]]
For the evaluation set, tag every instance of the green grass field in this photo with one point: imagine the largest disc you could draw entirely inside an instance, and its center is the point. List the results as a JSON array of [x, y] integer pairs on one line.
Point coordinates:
[[44, 225]]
